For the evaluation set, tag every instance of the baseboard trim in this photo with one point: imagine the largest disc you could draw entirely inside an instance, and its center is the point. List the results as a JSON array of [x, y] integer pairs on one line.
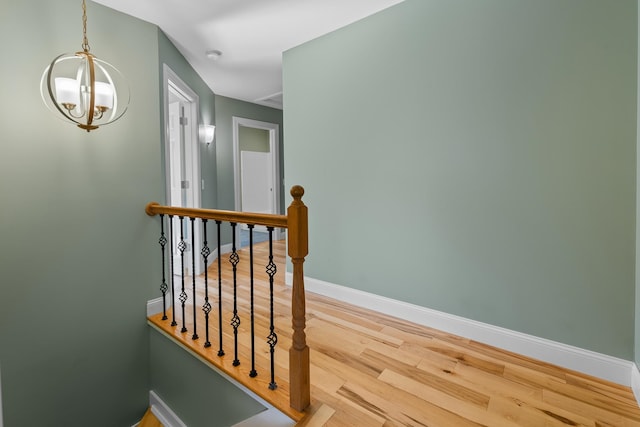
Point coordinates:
[[586, 361], [163, 412], [270, 417], [635, 382], [154, 306], [224, 249]]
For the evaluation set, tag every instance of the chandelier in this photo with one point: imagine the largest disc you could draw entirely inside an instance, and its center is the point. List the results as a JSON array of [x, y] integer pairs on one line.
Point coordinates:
[[85, 90]]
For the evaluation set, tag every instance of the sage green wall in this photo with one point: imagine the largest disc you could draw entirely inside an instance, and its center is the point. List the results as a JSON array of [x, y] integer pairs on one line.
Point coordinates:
[[77, 257], [200, 397], [637, 298], [170, 55], [482, 159], [226, 109]]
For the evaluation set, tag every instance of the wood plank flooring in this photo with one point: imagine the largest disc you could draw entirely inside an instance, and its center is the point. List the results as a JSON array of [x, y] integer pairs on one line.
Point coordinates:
[[149, 420], [369, 369]]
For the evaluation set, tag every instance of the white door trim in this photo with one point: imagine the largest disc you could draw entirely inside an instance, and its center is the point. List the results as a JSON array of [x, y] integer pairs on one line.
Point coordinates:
[[274, 150], [170, 78]]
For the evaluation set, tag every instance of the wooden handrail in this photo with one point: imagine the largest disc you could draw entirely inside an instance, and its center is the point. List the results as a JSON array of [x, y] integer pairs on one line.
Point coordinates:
[[268, 220], [296, 221]]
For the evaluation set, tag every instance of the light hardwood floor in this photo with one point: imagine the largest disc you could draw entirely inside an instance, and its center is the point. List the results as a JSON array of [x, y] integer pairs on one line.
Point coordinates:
[[149, 420], [369, 369]]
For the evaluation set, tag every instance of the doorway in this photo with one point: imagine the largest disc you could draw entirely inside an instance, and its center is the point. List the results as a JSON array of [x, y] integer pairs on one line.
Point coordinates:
[[182, 163], [257, 180]]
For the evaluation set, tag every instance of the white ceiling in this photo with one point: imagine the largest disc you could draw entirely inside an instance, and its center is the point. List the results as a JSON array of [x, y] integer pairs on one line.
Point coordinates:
[[251, 34]]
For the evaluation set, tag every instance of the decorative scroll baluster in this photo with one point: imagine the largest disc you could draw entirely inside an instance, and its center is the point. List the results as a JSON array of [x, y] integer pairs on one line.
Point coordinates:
[[183, 295], [163, 287], [173, 275], [272, 339], [193, 276], [297, 249], [234, 258], [220, 351], [206, 307], [253, 373]]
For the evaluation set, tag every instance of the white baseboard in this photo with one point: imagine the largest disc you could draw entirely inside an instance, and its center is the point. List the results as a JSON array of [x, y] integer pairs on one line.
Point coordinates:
[[154, 306], [635, 382], [586, 361], [163, 412], [268, 418], [224, 249]]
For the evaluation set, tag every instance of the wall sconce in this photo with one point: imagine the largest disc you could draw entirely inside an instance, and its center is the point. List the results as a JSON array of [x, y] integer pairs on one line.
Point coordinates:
[[84, 89], [207, 133]]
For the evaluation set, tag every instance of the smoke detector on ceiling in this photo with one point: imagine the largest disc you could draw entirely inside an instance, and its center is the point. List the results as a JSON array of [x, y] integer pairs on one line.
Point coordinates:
[[213, 54]]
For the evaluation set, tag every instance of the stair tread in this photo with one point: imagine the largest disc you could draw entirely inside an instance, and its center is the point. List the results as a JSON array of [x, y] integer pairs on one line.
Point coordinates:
[[149, 420]]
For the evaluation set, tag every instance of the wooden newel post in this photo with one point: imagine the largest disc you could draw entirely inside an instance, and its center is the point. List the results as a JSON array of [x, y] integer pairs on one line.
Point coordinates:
[[299, 381]]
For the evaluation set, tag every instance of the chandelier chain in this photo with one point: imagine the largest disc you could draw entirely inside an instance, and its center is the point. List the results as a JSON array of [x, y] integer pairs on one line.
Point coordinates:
[[85, 40]]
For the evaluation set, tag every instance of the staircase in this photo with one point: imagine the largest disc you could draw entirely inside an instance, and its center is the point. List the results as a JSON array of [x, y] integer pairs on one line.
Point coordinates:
[[149, 420], [230, 317]]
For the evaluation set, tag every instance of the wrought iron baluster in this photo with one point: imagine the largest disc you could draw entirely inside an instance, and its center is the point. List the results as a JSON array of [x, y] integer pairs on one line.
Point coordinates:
[[234, 258], [220, 351], [253, 373], [163, 286], [183, 295], [206, 307], [193, 276], [173, 275], [272, 339]]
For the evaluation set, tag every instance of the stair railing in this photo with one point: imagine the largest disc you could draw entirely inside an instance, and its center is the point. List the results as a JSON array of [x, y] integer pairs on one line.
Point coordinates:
[[295, 221]]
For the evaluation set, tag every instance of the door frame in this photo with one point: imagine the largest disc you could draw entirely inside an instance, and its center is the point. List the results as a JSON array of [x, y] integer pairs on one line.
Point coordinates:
[[274, 152], [173, 81]]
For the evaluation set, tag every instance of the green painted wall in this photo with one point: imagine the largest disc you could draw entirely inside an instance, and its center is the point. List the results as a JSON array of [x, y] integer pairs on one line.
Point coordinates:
[[482, 159], [170, 55], [637, 289], [226, 109], [200, 397], [75, 258]]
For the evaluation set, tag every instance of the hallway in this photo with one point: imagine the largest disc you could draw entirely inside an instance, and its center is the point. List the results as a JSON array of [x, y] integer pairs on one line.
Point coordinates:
[[369, 369]]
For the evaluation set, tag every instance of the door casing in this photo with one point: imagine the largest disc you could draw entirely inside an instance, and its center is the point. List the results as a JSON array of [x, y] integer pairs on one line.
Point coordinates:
[[191, 160], [274, 150]]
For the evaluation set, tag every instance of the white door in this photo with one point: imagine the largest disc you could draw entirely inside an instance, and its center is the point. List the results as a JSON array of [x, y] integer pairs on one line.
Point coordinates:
[[256, 178], [178, 195], [182, 168], [270, 186]]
